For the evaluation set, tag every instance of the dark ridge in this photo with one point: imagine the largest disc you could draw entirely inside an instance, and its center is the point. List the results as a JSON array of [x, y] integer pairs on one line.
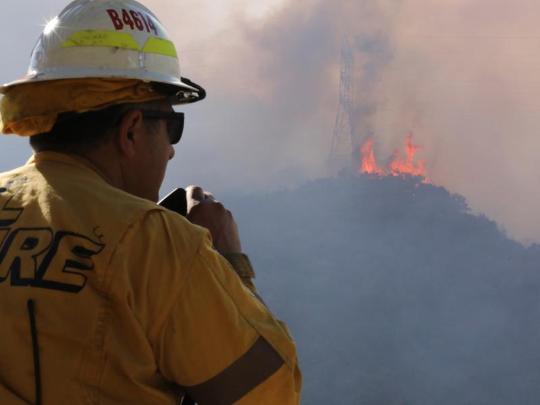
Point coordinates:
[[396, 293]]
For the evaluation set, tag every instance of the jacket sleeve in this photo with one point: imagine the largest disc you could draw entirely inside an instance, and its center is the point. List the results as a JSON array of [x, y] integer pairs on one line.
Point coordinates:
[[242, 266], [221, 344]]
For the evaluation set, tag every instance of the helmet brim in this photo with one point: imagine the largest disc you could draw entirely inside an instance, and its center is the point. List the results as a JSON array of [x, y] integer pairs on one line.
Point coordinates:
[[183, 92]]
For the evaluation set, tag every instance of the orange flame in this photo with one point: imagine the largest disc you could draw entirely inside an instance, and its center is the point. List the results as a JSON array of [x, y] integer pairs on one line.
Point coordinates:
[[399, 164], [407, 165], [369, 163]]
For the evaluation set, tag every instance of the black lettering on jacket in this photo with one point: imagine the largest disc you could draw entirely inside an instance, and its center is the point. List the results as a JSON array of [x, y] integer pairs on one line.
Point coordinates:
[[69, 256], [9, 215], [39, 257], [19, 254]]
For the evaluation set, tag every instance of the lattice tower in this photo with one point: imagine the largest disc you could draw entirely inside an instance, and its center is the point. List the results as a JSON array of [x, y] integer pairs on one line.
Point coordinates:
[[341, 152]]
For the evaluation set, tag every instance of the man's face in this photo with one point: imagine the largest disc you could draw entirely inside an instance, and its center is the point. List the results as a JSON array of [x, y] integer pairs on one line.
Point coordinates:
[[154, 150]]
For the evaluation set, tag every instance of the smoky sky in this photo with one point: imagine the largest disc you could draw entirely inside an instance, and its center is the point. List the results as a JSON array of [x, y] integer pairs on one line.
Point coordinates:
[[273, 90], [460, 75], [463, 80]]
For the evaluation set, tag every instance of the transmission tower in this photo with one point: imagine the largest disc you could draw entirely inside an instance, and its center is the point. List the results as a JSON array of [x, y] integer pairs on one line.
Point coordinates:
[[341, 151]]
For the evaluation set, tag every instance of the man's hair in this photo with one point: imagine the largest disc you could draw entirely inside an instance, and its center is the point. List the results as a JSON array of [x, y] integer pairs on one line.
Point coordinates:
[[81, 132]]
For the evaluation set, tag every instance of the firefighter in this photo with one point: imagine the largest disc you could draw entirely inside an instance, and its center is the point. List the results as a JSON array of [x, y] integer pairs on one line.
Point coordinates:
[[105, 296]]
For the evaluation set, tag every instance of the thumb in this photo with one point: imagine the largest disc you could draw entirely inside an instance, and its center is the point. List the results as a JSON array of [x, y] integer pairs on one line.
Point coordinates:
[[194, 195]]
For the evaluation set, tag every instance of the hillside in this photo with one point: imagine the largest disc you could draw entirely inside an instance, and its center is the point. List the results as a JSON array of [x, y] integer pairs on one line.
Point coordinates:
[[396, 293]]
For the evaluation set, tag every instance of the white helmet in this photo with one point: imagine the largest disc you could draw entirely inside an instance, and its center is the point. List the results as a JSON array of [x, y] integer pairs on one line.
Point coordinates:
[[118, 39]]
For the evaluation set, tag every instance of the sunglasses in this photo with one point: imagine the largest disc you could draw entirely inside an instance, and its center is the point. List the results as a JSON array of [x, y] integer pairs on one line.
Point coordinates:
[[175, 123]]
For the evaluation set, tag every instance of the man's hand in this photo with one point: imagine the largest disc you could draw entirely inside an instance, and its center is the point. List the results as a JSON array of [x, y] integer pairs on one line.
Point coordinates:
[[205, 211]]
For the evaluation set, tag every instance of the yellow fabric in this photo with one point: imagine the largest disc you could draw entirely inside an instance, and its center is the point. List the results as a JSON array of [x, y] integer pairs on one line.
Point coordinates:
[[129, 297], [32, 108]]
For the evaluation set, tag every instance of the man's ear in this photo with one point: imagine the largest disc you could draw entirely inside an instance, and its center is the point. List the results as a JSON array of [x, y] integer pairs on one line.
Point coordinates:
[[128, 131]]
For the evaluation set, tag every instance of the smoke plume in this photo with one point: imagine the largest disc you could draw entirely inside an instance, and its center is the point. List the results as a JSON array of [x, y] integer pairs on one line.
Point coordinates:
[[459, 74]]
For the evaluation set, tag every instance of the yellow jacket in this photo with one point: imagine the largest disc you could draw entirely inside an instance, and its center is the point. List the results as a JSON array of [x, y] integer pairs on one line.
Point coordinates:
[[131, 304]]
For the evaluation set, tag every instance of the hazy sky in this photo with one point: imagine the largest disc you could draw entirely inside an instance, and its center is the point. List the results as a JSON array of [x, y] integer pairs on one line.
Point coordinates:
[[460, 74]]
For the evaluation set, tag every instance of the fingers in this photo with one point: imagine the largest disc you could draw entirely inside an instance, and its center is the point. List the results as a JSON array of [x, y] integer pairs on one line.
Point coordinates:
[[195, 193], [204, 210]]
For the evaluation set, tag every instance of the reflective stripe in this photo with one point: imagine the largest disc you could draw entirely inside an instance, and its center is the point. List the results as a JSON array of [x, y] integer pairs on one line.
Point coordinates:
[[160, 46], [250, 370], [123, 40], [102, 38]]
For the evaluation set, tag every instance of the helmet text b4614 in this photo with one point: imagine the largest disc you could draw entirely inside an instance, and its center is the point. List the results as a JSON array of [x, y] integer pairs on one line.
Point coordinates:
[[136, 20]]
